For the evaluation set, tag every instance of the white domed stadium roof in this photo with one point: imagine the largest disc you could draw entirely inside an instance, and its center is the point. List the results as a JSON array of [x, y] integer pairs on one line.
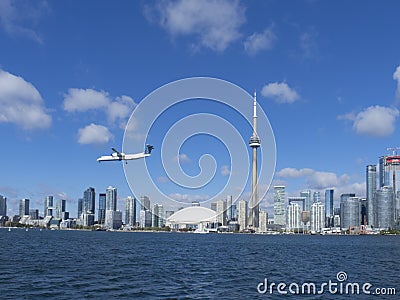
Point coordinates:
[[193, 215]]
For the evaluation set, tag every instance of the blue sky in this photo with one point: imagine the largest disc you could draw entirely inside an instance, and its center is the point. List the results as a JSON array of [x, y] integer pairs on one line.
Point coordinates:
[[71, 73]]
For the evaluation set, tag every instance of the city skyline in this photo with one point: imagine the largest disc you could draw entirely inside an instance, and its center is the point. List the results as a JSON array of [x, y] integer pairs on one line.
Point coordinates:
[[332, 102]]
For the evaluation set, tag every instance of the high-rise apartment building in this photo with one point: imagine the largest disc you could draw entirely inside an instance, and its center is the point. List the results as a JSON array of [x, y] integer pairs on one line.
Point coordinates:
[[102, 208], [307, 195], [3, 206], [48, 206], [24, 207], [130, 211], [371, 189], [317, 216], [158, 215], [221, 212], [350, 211], [242, 214], [111, 198], [279, 205], [61, 208], [89, 200], [329, 213], [263, 221], [384, 208], [293, 217]]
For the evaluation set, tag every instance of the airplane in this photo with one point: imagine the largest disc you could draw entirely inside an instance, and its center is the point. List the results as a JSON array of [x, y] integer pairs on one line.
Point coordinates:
[[116, 155]]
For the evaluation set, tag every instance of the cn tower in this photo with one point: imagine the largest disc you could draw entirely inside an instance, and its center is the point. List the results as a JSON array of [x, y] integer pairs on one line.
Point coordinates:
[[254, 144]]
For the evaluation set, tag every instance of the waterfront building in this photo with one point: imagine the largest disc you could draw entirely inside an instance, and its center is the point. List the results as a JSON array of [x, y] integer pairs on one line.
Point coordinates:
[[384, 207], [279, 205], [363, 202], [130, 212], [61, 208], [329, 213], [80, 207], [293, 217], [317, 216], [144, 203], [231, 214], [111, 198], [48, 206], [307, 195], [194, 217], [213, 206], [158, 215], [350, 211], [242, 214], [254, 143], [371, 189], [87, 218], [3, 206], [89, 200], [102, 208], [34, 214], [23, 207], [263, 221], [221, 212], [113, 219], [145, 218]]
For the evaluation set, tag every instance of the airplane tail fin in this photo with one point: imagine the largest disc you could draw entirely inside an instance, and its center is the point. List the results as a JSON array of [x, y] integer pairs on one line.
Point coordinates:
[[148, 149]]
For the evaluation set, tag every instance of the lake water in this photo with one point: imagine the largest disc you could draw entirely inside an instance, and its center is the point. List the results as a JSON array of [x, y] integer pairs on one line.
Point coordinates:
[[115, 265]]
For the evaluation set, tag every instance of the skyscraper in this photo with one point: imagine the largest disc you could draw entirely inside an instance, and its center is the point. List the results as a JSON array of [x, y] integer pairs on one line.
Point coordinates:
[[23, 207], [158, 215], [350, 211], [263, 221], [48, 206], [371, 189], [242, 214], [317, 217], [80, 207], [384, 208], [89, 200], [254, 144], [293, 219], [316, 197], [61, 208], [111, 198], [306, 194], [221, 212], [3, 206], [102, 208], [329, 208], [144, 203], [279, 205]]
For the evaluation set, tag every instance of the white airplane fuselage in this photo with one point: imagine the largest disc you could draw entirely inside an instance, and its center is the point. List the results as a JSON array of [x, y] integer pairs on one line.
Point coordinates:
[[122, 156]]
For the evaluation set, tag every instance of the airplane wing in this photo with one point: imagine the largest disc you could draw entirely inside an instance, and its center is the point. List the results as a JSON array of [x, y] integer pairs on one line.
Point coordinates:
[[116, 151]]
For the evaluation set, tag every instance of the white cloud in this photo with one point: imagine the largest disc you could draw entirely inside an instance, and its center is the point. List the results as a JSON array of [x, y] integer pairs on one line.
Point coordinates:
[[188, 198], [215, 23], [21, 103], [94, 134], [163, 179], [396, 76], [260, 41], [280, 91], [182, 158], [120, 109], [378, 121], [81, 100], [225, 171], [294, 173], [315, 179], [16, 16]]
